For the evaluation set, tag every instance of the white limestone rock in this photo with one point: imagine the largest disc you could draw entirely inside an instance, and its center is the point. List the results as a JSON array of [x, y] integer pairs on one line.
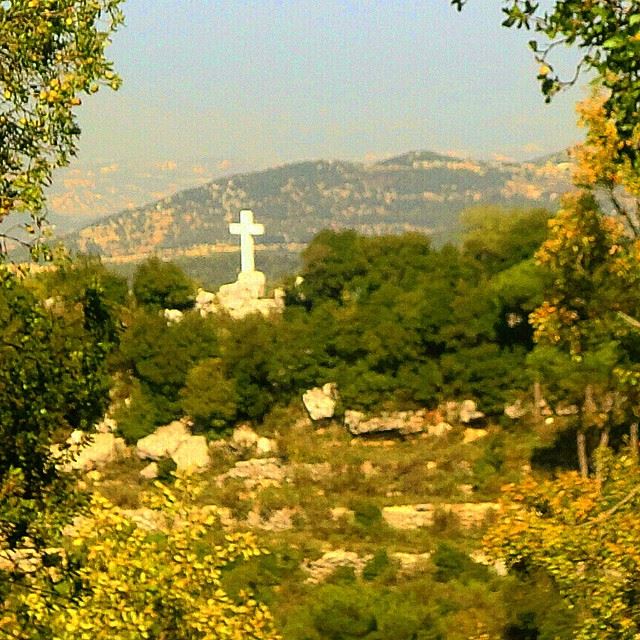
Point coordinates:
[[192, 455], [163, 441], [516, 410], [469, 412], [404, 423], [107, 425], [320, 402], [150, 472], [265, 446], [244, 437], [409, 516], [319, 570], [100, 449], [173, 316]]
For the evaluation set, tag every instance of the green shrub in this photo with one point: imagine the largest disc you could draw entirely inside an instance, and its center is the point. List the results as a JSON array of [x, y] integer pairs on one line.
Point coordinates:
[[453, 564], [376, 566], [138, 417]]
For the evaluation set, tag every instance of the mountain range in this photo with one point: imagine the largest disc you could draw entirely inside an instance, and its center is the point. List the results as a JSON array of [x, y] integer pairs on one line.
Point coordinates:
[[416, 191]]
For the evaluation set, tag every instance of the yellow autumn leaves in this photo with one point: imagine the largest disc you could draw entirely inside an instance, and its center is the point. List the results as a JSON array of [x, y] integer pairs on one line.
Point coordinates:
[[120, 581]]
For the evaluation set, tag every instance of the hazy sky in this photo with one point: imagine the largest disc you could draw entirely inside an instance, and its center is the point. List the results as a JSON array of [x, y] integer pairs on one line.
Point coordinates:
[[263, 82]]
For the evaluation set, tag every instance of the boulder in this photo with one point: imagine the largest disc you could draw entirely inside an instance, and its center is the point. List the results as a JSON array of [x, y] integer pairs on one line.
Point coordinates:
[[150, 471], [516, 410], [173, 316], [100, 449], [265, 446], [205, 302], [192, 455], [469, 412], [163, 441], [244, 437], [321, 402]]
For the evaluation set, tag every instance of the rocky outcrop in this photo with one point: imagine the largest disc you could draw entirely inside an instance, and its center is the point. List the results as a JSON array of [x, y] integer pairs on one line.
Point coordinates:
[[241, 298], [319, 570], [163, 441], [150, 472], [189, 452], [416, 516], [256, 472], [280, 520], [95, 450], [469, 412], [320, 402], [192, 455], [410, 563], [409, 516], [244, 438], [401, 422]]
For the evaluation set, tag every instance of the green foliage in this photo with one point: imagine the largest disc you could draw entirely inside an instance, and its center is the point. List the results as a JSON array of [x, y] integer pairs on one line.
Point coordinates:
[[162, 285], [160, 355], [53, 378], [53, 52], [209, 397], [138, 417], [376, 566], [453, 564], [500, 238]]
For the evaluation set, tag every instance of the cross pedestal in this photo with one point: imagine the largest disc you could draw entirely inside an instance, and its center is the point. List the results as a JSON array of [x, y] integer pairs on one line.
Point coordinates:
[[246, 229]]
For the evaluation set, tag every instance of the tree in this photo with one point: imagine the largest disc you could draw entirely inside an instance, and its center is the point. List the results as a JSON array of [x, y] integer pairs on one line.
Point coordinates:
[[51, 52], [585, 534], [163, 285], [608, 35], [53, 378], [208, 396], [594, 269], [116, 580]]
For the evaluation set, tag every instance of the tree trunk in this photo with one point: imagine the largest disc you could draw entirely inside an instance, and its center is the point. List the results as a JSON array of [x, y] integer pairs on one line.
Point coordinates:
[[583, 461], [604, 443], [537, 401], [633, 441]]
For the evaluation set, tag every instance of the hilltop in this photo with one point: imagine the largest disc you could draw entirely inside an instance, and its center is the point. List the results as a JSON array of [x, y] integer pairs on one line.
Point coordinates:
[[416, 191]]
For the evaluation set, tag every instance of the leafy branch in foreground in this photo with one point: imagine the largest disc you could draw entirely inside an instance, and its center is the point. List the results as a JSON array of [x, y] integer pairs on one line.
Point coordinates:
[[51, 52], [607, 33]]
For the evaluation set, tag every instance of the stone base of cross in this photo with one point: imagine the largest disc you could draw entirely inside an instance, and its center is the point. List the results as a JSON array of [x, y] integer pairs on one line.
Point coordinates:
[[246, 229]]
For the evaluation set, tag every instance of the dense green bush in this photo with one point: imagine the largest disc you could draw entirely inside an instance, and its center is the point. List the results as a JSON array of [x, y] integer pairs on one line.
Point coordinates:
[[163, 285]]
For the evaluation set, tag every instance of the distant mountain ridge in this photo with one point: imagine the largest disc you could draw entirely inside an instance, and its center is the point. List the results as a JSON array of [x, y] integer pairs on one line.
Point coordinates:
[[416, 191]]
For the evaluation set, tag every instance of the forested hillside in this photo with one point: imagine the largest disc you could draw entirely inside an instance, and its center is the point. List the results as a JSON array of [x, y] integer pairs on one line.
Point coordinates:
[[418, 191]]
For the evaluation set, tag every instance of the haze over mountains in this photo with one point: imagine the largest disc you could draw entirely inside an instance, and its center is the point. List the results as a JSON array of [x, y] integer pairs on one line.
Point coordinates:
[[417, 191]]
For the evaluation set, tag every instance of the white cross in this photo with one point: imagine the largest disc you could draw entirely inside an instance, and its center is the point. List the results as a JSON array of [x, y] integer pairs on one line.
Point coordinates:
[[246, 229]]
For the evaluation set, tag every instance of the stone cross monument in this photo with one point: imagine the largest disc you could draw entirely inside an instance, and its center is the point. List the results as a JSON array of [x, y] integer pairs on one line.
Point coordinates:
[[246, 229]]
